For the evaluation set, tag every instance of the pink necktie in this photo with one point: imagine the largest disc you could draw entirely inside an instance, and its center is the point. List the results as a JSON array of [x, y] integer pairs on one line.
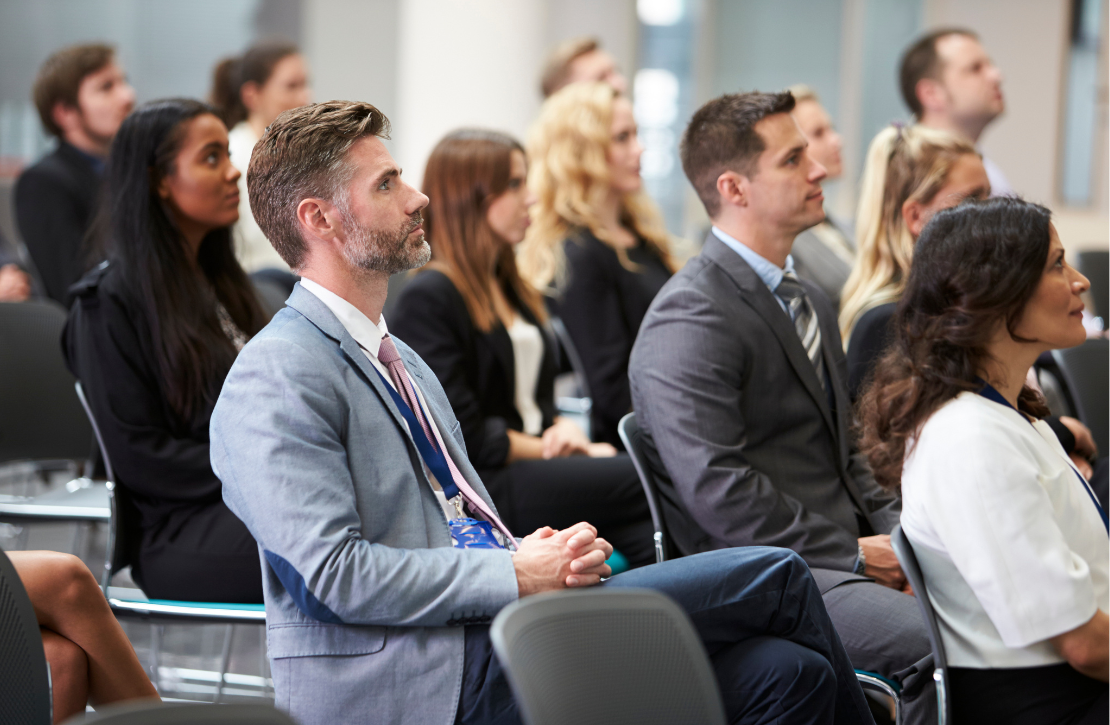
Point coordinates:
[[388, 355]]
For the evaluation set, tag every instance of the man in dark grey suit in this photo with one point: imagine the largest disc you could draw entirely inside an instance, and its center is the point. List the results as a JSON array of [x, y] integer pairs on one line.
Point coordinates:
[[739, 383]]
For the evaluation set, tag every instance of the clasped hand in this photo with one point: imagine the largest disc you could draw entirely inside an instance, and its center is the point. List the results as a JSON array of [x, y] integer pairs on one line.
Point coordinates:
[[549, 559]]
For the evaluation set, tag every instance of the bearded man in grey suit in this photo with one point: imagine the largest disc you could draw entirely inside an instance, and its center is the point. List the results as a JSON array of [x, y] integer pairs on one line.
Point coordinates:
[[338, 449], [739, 385]]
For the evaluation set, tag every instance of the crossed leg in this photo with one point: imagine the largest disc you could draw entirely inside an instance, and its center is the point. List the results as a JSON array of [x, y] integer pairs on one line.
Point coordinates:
[[91, 659]]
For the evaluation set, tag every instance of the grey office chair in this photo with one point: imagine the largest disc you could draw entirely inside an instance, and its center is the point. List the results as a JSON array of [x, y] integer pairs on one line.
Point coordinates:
[[908, 559], [25, 695], [628, 655], [42, 421], [665, 548], [123, 540], [177, 713], [1086, 373]]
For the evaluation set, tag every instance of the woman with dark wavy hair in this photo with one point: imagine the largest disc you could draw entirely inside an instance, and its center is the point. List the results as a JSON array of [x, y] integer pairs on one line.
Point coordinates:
[[1010, 536], [151, 336]]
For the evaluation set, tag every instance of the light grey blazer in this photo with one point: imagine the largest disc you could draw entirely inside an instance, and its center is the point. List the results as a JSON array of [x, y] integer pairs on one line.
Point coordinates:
[[365, 595], [757, 451]]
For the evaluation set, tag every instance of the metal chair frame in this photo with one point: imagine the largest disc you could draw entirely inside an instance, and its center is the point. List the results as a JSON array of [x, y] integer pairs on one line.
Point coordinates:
[[903, 549], [133, 603], [629, 432]]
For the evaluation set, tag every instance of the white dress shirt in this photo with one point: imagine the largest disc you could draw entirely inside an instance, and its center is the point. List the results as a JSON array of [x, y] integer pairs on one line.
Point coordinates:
[[1012, 547], [369, 338], [527, 359]]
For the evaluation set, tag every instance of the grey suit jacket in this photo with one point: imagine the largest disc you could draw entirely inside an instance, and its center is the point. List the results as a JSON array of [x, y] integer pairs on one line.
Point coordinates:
[[365, 595], [728, 399]]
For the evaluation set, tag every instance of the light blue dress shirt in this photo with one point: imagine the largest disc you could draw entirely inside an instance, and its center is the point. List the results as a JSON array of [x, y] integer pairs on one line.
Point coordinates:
[[767, 271]]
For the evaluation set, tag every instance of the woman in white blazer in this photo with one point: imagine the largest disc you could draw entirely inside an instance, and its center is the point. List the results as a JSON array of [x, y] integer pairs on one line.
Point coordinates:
[[1009, 535]]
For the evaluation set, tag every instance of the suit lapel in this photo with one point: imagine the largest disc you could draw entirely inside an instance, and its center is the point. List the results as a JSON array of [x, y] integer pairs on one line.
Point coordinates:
[[759, 298], [316, 312], [502, 345]]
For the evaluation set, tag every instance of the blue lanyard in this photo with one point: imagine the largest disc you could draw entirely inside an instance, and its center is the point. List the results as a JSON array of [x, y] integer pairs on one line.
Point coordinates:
[[435, 460], [988, 392]]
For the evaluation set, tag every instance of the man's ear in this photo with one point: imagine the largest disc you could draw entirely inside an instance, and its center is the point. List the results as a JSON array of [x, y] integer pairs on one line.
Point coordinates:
[[915, 216], [319, 219], [734, 188], [65, 116], [931, 94], [248, 94]]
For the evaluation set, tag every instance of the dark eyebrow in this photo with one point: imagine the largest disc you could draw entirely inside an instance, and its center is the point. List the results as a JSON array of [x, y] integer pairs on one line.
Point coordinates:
[[387, 174], [795, 149], [213, 145]]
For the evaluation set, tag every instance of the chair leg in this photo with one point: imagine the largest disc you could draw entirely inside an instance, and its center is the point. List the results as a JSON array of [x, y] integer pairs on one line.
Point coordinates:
[[264, 662], [225, 660], [156, 656]]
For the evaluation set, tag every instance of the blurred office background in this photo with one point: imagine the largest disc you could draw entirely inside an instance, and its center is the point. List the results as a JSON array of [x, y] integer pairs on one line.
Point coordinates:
[[434, 65]]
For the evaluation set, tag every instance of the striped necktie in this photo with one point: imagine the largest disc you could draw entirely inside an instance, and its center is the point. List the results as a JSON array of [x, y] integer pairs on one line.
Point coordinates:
[[388, 355], [805, 320]]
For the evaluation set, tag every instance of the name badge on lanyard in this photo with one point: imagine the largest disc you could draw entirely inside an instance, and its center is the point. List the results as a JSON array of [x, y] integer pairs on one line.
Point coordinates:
[[466, 533]]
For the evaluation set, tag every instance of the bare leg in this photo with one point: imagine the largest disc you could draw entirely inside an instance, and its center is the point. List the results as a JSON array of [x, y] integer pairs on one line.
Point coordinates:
[[69, 674], [68, 602]]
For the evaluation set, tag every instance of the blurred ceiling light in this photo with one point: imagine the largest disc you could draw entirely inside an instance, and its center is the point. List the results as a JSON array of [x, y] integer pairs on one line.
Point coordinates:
[[656, 94], [660, 12]]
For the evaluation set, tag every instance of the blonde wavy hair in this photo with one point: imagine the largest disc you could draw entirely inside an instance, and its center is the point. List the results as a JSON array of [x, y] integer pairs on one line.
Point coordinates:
[[903, 164], [570, 177]]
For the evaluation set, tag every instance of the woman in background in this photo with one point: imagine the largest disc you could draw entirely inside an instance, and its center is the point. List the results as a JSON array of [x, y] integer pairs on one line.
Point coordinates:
[[250, 92], [1011, 542], [910, 174], [151, 336], [483, 330], [598, 242]]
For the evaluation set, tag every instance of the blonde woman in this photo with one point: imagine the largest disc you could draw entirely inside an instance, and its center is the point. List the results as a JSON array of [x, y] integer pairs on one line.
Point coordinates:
[[910, 174], [597, 242]]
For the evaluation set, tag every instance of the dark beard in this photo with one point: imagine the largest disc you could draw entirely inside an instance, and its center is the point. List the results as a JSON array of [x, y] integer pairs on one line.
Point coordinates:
[[376, 250]]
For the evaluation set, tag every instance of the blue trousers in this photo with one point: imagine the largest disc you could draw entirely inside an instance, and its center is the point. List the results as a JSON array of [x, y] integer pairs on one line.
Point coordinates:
[[773, 647]]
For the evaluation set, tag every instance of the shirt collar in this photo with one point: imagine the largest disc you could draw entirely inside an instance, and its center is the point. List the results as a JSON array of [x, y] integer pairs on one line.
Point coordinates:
[[767, 271], [361, 328]]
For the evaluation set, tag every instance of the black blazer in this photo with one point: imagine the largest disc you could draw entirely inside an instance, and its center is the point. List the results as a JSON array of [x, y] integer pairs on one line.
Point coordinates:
[[163, 461], [477, 369], [871, 336], [55, 201], [602, 305]]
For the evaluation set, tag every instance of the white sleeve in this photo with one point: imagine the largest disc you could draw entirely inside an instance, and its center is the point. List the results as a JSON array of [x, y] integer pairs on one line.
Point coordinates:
[[984, 497]]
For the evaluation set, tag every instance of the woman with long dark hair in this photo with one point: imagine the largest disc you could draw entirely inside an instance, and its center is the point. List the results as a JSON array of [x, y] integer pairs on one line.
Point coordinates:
[[152, 334], [1010, 537], [483, 330], [249, 91]]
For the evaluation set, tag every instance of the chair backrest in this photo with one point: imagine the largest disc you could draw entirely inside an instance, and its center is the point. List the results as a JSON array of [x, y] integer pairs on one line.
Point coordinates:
[[566, 345], [633, 438], [1095, 266], [1086, 371], [25, 689], [123, 530], [270, 295], [605, 656], [908, 559], [179, 713], [43, 419]]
